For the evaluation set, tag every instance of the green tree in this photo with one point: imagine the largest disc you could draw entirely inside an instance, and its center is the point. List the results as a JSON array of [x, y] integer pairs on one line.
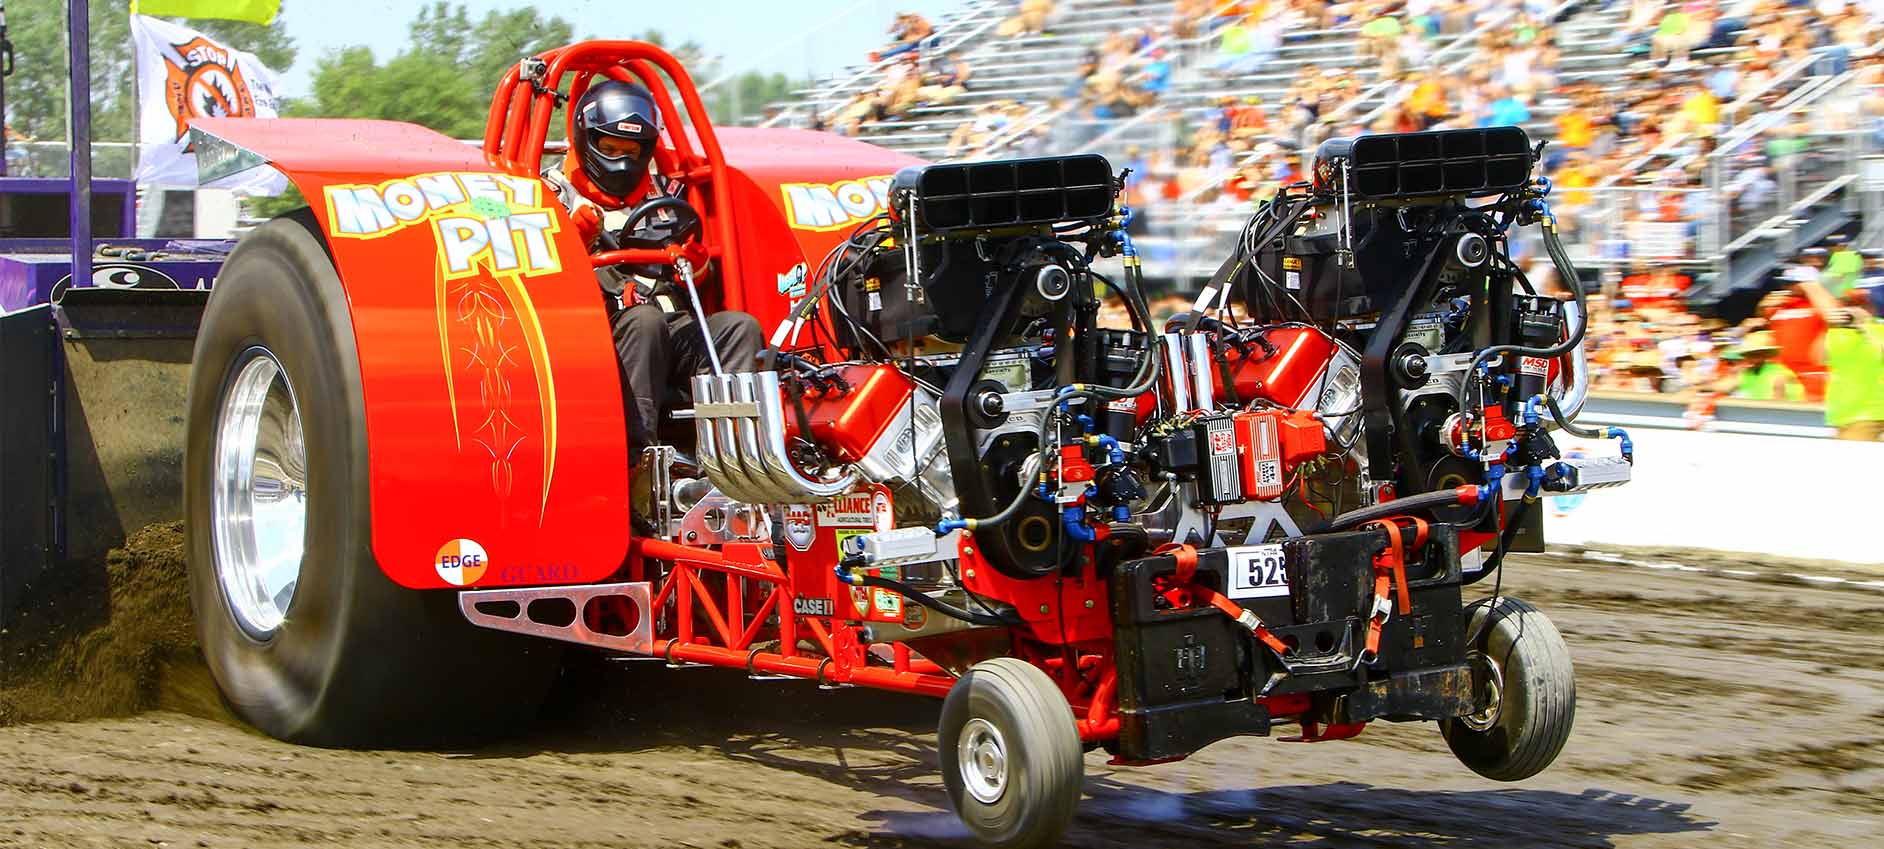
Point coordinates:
[[739, 100], [742, 99], [36, 93], [444, 77]]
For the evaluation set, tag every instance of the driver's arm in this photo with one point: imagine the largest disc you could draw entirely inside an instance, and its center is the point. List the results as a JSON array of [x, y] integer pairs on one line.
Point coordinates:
[[586, 215]]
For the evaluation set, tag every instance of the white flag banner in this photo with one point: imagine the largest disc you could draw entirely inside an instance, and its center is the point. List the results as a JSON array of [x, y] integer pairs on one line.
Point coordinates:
[[184, 74]]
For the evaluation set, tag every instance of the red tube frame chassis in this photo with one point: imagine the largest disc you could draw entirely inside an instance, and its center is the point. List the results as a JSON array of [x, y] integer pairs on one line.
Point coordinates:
[[585, 524]]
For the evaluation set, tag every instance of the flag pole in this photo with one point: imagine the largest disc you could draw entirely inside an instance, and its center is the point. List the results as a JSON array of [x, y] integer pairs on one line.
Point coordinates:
[[79, 119], [137, 104], [6, 70]]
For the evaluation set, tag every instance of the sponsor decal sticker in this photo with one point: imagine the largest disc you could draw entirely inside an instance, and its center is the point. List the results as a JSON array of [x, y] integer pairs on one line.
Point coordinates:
[[834, 206], [510, 574], [496, 223], [628, 127], [1534, 366], [839, 535], [798, 527], [807, 606], [461, 562], [792, 283], [121, 275], [856, 510], [880, 508]]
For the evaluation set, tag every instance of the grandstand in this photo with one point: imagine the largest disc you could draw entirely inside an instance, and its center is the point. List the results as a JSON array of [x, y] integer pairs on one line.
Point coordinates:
[[1815, 101], [1029, 70]]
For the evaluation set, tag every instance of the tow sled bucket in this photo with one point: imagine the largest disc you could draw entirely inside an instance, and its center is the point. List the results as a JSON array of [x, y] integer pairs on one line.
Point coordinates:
[[92, 434]]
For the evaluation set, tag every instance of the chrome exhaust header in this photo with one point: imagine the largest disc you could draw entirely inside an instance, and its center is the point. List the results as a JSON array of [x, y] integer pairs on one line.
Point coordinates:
[[740, 419]]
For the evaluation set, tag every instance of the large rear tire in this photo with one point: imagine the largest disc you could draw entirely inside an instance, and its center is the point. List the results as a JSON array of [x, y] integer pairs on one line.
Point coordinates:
[[1529, 688], [307, 639], [1012, 762]]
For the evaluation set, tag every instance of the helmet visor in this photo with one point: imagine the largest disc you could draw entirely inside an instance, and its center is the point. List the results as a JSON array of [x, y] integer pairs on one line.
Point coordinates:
[[616, 147]]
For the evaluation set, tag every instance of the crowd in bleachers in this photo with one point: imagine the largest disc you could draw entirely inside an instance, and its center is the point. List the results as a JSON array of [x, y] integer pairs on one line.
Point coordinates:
[[1627, 147], [1668, 101], [1819, 338]]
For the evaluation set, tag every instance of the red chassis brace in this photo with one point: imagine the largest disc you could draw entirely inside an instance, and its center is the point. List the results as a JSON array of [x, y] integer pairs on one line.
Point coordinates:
[[712, 607]]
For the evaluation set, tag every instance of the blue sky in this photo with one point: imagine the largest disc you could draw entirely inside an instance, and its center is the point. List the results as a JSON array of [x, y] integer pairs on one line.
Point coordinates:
[[791, 36]]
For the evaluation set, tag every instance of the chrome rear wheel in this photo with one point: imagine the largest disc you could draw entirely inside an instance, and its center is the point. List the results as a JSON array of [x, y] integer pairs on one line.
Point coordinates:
[[259, 500]]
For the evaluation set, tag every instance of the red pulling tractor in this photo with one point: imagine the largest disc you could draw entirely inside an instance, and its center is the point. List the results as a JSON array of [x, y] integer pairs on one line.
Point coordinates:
[[409, 485]]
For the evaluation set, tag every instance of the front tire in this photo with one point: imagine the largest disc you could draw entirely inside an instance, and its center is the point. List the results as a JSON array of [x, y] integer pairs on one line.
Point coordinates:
[[1011, 757], [307, 639], [1529, 688]]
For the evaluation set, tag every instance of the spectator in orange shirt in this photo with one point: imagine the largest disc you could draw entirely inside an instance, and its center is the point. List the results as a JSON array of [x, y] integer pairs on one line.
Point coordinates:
[[1247, 119], [1576, 127], [1428, 100], [910, 30]]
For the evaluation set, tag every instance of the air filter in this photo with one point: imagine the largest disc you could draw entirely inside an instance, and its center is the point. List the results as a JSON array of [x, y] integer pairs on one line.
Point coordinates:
[[1470, 163], [984, 195]]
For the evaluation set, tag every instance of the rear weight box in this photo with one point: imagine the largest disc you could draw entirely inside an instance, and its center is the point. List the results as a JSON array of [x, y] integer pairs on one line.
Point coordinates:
[[1184, 675], [1190, 677]]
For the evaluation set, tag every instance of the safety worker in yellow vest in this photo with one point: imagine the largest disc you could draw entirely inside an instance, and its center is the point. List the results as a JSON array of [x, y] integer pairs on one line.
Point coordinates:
[[1853, 352]]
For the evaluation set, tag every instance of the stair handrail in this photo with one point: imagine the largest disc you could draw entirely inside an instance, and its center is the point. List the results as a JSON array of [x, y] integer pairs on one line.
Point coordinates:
[[1635, 165], [817, 103], [1468, 37], [1164, 42]]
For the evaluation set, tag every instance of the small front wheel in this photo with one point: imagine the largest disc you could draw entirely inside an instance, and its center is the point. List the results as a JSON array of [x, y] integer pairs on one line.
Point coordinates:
[[1528, 689], [1011, 756]]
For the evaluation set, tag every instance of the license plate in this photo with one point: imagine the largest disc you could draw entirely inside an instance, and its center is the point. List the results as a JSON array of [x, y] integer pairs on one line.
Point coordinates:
[[1256, 571]]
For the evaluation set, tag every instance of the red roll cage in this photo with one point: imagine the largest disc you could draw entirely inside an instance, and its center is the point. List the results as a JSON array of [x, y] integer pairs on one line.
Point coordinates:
[[517, 131]]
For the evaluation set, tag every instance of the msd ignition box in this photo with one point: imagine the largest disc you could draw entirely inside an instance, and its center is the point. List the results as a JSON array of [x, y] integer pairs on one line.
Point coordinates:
[[1190, 676], [1270, 444], [1202, 450], [1236, 457], [816, 534]]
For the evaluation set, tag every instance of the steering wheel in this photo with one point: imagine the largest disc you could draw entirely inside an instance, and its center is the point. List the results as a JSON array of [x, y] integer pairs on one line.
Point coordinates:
[[684, 226]]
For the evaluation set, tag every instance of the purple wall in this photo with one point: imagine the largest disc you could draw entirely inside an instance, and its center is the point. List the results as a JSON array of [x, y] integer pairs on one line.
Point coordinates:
[[28, 279]]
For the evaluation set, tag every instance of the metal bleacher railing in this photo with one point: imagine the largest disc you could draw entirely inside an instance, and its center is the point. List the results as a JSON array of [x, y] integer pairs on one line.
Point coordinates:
[[972, 20], [1191, 234]]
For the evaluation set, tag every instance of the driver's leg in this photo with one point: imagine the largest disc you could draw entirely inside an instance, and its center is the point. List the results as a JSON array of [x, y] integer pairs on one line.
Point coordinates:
[[642, 344], [736, 337]]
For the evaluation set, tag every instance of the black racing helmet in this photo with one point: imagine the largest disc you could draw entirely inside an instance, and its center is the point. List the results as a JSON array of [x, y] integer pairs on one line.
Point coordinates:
[[617, 126]]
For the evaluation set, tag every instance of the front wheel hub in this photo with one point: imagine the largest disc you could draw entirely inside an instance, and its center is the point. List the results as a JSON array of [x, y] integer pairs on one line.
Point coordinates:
[[982, 759], [1493, 692]]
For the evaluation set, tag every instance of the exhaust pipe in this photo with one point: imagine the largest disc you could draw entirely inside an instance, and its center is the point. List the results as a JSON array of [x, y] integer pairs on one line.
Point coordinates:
[[740, 420]]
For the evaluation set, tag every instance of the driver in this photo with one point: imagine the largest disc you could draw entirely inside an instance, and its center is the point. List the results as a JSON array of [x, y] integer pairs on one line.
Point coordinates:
[[656, 337]]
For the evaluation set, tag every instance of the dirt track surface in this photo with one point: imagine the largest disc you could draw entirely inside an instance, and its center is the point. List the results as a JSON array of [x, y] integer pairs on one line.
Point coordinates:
[[1712, 712]]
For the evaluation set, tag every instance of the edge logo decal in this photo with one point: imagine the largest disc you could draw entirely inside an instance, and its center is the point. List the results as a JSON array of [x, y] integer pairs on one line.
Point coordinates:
[[461, 562]]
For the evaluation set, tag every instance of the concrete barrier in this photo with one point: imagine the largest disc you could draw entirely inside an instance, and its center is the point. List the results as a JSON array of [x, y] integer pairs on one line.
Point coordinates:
[[1783, 495]]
